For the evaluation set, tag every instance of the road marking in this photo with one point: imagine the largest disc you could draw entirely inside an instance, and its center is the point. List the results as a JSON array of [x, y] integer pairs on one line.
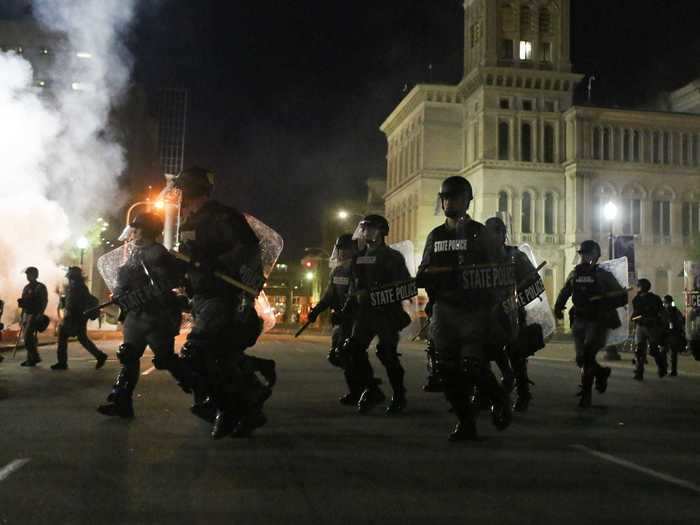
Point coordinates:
[[644, 470], [12, 467], [149, 371]]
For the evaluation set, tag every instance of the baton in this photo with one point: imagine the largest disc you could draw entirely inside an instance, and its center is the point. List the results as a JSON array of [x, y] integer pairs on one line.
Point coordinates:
[[422, 331], [301, 330], [221, 276]]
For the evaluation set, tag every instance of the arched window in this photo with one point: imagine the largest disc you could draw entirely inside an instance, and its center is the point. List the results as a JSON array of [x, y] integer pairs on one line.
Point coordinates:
[[548, 143], [526, 142], [525, 19], [503, 202], [549, 214], [596, 143], [526, 219], [503, 141], [545, 21]]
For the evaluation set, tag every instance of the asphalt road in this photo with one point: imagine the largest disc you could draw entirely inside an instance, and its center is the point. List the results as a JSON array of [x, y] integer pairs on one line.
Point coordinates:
[[633, 458]]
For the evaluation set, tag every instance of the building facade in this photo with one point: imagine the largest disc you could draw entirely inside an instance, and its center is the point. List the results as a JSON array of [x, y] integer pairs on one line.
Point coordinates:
[[545, 165]]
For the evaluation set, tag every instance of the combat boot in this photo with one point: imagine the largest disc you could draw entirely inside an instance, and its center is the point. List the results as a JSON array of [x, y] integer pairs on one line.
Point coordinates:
[[433, 384], [522, 401], [267, 369], [204, 409], [245, 427], [224, 423], [350, 399], [117, 406], [500, 406], [370, 398], [59, 366], [464, 431], [638, 376], [101, 360], [602, 375], [397, 403]]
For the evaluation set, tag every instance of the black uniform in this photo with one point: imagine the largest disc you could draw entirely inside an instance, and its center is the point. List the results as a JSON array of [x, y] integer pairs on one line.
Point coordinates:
[[33, 302], [152, 320], [596, 295], [334, 298], [675, 341], [218, 239], [463, 318], [372, 269], [76, 300], [647, 311]]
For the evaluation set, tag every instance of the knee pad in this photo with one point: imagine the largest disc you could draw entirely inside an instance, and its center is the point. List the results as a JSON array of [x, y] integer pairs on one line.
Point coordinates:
[[127, 354]]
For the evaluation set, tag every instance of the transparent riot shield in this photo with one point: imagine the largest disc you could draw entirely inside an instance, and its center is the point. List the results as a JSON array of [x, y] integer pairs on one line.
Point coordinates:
[[538, 311], [691, 288], [108, 264], [408, 251], [271, 245], [620, 270]]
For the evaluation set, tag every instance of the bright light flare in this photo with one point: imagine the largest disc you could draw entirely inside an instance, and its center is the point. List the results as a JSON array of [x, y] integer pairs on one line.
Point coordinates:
[[159, 205], [610, 211], [310, 276], [82, 243], [343, 215], [83, 54]]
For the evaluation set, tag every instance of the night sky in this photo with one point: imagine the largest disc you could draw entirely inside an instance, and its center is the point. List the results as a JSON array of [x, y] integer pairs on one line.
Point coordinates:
[[287, 96]]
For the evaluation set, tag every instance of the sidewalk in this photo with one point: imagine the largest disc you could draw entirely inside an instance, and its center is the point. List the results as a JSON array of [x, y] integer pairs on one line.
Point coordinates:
[[9, 338]]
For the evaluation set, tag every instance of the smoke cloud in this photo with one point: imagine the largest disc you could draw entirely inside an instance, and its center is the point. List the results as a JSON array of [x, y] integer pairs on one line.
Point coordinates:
[[60, 160]]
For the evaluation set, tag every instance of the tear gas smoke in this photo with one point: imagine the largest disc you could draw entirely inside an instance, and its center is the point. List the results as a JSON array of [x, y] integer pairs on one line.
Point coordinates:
[[60, 160]]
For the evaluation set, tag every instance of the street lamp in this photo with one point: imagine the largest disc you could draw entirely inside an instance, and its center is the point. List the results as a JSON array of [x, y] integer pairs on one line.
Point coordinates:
[[344, 215], [82, 243], [610, 214], [310, 276]]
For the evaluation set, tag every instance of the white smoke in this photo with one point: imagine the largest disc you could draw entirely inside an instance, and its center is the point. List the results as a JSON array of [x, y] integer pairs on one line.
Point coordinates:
[[59, 161]]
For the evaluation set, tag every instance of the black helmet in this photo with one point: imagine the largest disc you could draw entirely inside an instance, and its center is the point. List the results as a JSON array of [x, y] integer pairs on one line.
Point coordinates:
[[644, 284], [74, 273], [668, 299], [590, 247], [496, 225], [345, 242], [195, 182], [149, 222], [456, 185], [377, 221], [32, 270]]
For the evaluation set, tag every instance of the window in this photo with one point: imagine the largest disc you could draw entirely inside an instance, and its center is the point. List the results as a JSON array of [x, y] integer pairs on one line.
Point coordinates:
[[503, 202], [626, 145], [549, 106], [655, 148], [507, 19], [503, 141], [661, 217], [667, 149], [596, 143], [606, 144], [507, 49], [548, 143], [632, 217], [546, 52], [685, 151], [526, 220], [545, 21], [527, 105], [635, 146], [525, 50], [525, 19], [526, 143], [597, 216], [691, 219], [549, 214], [696, 151], [504, 103]]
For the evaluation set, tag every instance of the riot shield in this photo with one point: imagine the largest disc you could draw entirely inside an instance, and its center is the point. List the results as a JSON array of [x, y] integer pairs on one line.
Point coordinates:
[[408, 251], [691, 288], [108, 264], [620, 270], [538, 311], [271, 243], [265, 312]]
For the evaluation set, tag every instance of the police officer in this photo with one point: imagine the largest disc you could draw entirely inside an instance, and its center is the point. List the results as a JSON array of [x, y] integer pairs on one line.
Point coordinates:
[[334, 298], [595, 294], [151, 313], [217, 238], [517, 354], [376, 266], [674, 322], [461, 317], [33, 303], [647, 310], [76, 300]]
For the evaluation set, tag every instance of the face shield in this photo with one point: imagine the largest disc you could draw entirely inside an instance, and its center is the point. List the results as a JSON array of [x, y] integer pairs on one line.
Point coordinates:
[[454, 204], [340, 256]]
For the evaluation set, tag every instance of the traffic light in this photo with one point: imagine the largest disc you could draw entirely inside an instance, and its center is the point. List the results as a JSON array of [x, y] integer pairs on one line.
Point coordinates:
[[309, 263]]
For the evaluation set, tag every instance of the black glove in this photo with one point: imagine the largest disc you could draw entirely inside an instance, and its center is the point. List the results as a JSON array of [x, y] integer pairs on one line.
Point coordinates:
[[20, 302], [429, 309]]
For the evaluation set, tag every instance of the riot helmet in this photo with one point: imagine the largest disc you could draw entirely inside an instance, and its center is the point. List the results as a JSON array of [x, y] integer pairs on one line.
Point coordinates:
[[150, 224], [372, 229], [32, 273], [455, 196], [194, 182], [497, 228], [589, 251], [644, 285], [668, 300], [343, 250], [75, 273]]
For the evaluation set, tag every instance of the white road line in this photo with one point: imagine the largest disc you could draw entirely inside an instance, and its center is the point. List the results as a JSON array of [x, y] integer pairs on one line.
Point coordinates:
[[12, 467], [149, 371], [644, 470]]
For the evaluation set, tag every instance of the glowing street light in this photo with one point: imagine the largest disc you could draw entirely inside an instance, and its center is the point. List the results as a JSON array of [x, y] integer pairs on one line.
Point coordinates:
[[82, 243], [310, 276], [610, 214], [343, 215]]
